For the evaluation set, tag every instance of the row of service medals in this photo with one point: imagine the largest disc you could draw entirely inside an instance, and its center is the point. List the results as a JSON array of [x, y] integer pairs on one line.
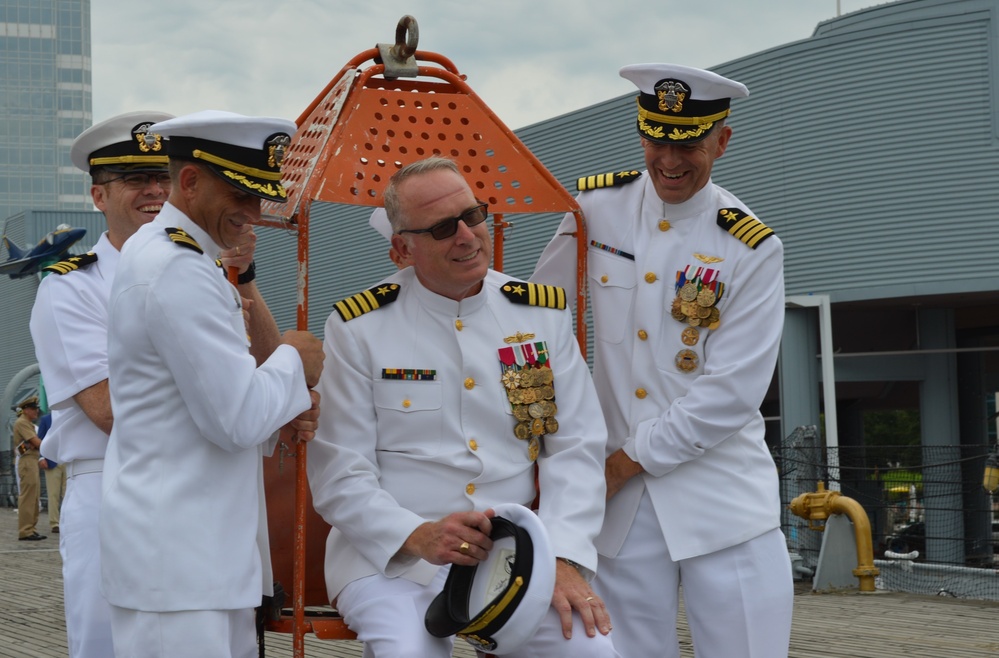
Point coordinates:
[[698, 292], [530, 387]]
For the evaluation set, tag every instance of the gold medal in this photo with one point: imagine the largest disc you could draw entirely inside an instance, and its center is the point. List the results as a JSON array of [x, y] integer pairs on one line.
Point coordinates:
[[694, 321], [537, 427], [522, 431], [511, 379], [686, 360], [703, 312], [536, 410], [677, 310], [690, 336], [551, 425], [688, 292], [533, 449], [706, 297], [521, 412], [547, 376]]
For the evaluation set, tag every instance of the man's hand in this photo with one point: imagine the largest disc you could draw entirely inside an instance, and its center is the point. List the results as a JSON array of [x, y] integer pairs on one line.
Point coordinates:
[[572, 592], [310, 349], [303, 427], [241, 255], [459, 538], [618, 470]]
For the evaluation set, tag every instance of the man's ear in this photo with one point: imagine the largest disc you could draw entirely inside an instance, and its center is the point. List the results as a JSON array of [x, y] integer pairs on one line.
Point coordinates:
[[99, 194], [401, 245]]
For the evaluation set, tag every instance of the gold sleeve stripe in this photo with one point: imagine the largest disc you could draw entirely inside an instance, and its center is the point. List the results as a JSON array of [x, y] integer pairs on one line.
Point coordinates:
[[243, 169], [745, 227], [534, 294]]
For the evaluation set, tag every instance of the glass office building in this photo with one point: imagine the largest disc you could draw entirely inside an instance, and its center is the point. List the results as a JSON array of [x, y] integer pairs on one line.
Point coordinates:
[[45, 102]]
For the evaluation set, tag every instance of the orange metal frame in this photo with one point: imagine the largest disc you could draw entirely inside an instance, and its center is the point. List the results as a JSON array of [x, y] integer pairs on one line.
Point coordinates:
[[366, 124]]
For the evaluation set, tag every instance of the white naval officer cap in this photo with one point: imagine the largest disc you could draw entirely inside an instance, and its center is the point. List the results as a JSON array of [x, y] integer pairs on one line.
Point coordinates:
[[498, 605], [121, 144], [245, 151], [680, 104], [380, 222]]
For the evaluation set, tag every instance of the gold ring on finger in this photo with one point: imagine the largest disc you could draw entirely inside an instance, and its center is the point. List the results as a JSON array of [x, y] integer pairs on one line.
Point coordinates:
[[463, 549]]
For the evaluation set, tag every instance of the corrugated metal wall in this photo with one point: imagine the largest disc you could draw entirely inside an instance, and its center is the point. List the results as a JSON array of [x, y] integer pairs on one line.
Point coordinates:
[[870, 148]]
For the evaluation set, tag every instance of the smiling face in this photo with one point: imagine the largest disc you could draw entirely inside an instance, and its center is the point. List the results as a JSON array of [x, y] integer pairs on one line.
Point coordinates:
[[453, 267], [222, 210], [679, 171], [125, 206]]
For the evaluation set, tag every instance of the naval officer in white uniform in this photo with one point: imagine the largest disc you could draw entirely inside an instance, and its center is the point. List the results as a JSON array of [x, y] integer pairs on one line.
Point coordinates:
[[446, 382], [687, 292], [182, 526]]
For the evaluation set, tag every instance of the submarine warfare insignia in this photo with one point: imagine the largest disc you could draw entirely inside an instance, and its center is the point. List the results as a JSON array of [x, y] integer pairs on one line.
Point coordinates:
[[527, 376]]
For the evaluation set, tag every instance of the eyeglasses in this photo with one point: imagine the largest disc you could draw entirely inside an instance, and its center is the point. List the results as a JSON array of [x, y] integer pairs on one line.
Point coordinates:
[[139, 181], [447, 227]]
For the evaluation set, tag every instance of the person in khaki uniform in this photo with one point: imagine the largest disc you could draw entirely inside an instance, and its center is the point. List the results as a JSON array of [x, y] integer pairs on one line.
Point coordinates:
[[26, 443]]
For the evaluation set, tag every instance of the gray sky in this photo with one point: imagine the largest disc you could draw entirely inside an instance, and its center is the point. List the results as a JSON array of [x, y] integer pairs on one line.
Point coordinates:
[[529, 60]]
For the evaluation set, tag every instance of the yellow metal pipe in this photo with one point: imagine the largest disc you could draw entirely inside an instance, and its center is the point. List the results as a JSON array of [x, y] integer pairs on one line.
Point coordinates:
[[819, 505]]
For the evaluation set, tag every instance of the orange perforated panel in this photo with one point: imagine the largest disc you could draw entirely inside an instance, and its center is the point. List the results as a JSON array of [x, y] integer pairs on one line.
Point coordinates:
[[367, 127]]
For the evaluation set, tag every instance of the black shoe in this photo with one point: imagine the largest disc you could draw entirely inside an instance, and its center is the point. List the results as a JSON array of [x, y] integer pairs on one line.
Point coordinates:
[[34, 537], [55, 530]]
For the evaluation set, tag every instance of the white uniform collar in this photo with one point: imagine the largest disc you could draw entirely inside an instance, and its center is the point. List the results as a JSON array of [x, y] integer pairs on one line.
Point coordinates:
[[444, 305], [171, 217], [692, 207]]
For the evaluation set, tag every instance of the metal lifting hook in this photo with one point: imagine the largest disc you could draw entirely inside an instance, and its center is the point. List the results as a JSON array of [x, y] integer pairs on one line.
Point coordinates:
[[399, 58]]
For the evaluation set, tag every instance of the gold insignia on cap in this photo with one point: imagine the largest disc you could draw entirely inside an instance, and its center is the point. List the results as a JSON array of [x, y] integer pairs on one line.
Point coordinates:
[[671, 94], [610, 179], [534, 294], [277, 144], [147, 141], [182, 238], [745, 227], [367, 301], [72, 263]]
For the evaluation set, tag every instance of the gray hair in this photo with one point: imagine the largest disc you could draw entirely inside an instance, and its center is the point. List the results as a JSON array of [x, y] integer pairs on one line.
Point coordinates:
[[391, 195]]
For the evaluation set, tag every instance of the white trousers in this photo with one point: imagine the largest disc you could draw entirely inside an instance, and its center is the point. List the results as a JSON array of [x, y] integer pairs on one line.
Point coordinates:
[[387, 615], [88, 615], [194, 633], [738, 601]]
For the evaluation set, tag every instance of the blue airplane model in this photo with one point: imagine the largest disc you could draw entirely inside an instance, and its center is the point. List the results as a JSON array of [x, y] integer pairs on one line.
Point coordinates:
[[51, 248]]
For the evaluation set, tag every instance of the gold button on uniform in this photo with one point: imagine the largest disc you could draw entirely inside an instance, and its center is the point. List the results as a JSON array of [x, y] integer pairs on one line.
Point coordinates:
[[642, 334], [650, 277], [470, 489], [473, 444], [640, 393], [664, 225], [603, 279], [470, 383], [406, 404], [458, 325]]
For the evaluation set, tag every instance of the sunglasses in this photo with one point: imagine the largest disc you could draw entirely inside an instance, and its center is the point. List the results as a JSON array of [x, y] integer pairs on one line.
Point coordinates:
[[139, 181], [447, 227]]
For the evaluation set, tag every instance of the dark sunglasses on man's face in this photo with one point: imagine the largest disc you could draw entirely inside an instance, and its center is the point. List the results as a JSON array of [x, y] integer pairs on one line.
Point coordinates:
[[447, 227]]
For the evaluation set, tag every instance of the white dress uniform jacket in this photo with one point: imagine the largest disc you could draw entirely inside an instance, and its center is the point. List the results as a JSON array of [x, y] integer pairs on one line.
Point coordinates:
[[391, 454], [699, 435], [69, 324], [183, 487]]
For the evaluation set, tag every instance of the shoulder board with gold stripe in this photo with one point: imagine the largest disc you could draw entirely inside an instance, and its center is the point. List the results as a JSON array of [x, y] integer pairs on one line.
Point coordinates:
[[534, 294], [606, 180], [72, 263], [181, 237], [369, 300], [745, 227]]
